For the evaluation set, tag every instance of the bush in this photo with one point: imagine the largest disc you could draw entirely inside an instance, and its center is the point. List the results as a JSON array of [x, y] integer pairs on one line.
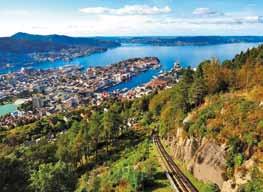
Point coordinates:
[[59, 177], [199, 127], [256, 184], [238, 159], [211, 188]]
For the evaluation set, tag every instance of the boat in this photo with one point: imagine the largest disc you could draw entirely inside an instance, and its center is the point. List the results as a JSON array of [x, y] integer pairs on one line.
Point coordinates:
[[156, 66], [177, 65]]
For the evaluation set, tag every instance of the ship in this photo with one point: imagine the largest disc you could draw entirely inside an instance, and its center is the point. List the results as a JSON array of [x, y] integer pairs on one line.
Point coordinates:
[[177, 66]]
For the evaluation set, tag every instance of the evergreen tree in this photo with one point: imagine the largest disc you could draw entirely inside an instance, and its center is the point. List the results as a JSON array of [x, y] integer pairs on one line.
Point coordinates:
[[58, 177]]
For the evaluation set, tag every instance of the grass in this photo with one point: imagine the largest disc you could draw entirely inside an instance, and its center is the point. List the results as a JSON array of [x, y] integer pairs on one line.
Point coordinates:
[[162, 184], [133, 154]]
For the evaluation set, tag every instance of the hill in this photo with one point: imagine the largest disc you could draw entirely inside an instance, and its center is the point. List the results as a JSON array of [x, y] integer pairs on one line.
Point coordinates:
[[191, 40], [22, 46], [24, 50], [27, 43], [66, 40], [211, 120]]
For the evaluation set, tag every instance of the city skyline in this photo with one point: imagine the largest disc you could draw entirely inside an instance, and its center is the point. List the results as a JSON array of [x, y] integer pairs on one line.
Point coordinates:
[[132, 18]]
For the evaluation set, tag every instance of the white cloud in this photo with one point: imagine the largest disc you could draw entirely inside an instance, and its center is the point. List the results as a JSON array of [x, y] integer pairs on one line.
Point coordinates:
[[127, 10], [203, 11], [95, 10], [228, 20], [131, 20], [224, 20], [253, 19]]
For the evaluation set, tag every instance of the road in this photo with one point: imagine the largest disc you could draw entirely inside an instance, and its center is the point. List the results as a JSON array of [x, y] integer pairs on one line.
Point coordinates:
[[178, 180]]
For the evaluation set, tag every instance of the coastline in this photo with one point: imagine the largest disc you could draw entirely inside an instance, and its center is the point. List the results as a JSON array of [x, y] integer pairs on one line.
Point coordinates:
[[11, 107]]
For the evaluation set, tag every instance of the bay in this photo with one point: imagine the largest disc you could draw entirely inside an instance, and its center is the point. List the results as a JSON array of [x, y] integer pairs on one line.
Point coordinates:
[[186, 55]]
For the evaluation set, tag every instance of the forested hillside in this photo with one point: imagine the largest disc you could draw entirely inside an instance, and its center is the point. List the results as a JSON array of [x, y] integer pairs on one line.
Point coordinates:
[[189, 40], [222, 103], [109, 148], [22, 43]]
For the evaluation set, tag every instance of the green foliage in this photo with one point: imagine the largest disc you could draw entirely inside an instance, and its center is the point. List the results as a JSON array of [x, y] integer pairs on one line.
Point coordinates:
[[13, 174], [53, 177], [250, 139], [28, 106], [147, 119], [43, 152], [199, 127], [198, 91], [260, 124], [256, 184], [238, 159], [79, 136], [211, 188], [246, 106], [234, 157], [131, 172], [167, 119], [83, 183], [73, 144], [213, 77], [159, 100]]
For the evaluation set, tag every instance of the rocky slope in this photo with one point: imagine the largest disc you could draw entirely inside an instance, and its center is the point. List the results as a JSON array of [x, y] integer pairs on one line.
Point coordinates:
[[206, 160]]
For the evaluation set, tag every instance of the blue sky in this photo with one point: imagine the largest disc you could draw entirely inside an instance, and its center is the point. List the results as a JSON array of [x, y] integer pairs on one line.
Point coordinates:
[[132, 17]]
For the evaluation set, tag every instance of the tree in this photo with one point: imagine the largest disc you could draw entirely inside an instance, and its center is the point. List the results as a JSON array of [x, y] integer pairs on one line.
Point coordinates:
[[108, 126], [95, 127], [63, 150], [14, 175], [82, 185], [198, 91], [167, 119], [59, 177], [213, 77], [187, 75], [181, 97]]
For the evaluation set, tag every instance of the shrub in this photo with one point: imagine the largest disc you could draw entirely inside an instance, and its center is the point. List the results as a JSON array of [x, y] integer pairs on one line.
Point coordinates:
[[238, 159], [53, 177]]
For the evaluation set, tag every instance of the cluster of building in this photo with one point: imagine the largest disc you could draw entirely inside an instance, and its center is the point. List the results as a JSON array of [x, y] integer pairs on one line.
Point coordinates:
[[162, 81], [58, 90], [64, 54]]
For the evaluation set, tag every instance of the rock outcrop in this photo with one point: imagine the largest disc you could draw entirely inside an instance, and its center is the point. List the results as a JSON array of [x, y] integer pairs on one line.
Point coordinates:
[[208, 163], [241, 176], [204, 158]]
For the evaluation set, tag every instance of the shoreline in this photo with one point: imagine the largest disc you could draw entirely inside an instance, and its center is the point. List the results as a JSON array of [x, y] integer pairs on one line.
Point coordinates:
[[11, 107]]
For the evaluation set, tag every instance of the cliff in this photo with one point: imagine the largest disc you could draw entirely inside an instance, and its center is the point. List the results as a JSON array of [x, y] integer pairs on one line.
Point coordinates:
[[204, 158], [210, 157]]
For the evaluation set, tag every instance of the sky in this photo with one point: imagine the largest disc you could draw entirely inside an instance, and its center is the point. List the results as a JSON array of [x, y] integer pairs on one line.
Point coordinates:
[[132, 17]]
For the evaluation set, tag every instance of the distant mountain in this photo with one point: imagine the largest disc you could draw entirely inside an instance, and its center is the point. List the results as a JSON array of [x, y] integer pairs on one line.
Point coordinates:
[[22, 46], [22, 43], [66, 40], [27, 43], [190, 40]]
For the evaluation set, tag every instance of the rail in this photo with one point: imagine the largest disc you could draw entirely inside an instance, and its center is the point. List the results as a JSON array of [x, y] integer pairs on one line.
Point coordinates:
[[179, 181]]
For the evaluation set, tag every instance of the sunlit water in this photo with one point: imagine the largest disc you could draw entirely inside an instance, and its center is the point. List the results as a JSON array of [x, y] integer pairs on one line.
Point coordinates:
[[8, 108], [186, 55]]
